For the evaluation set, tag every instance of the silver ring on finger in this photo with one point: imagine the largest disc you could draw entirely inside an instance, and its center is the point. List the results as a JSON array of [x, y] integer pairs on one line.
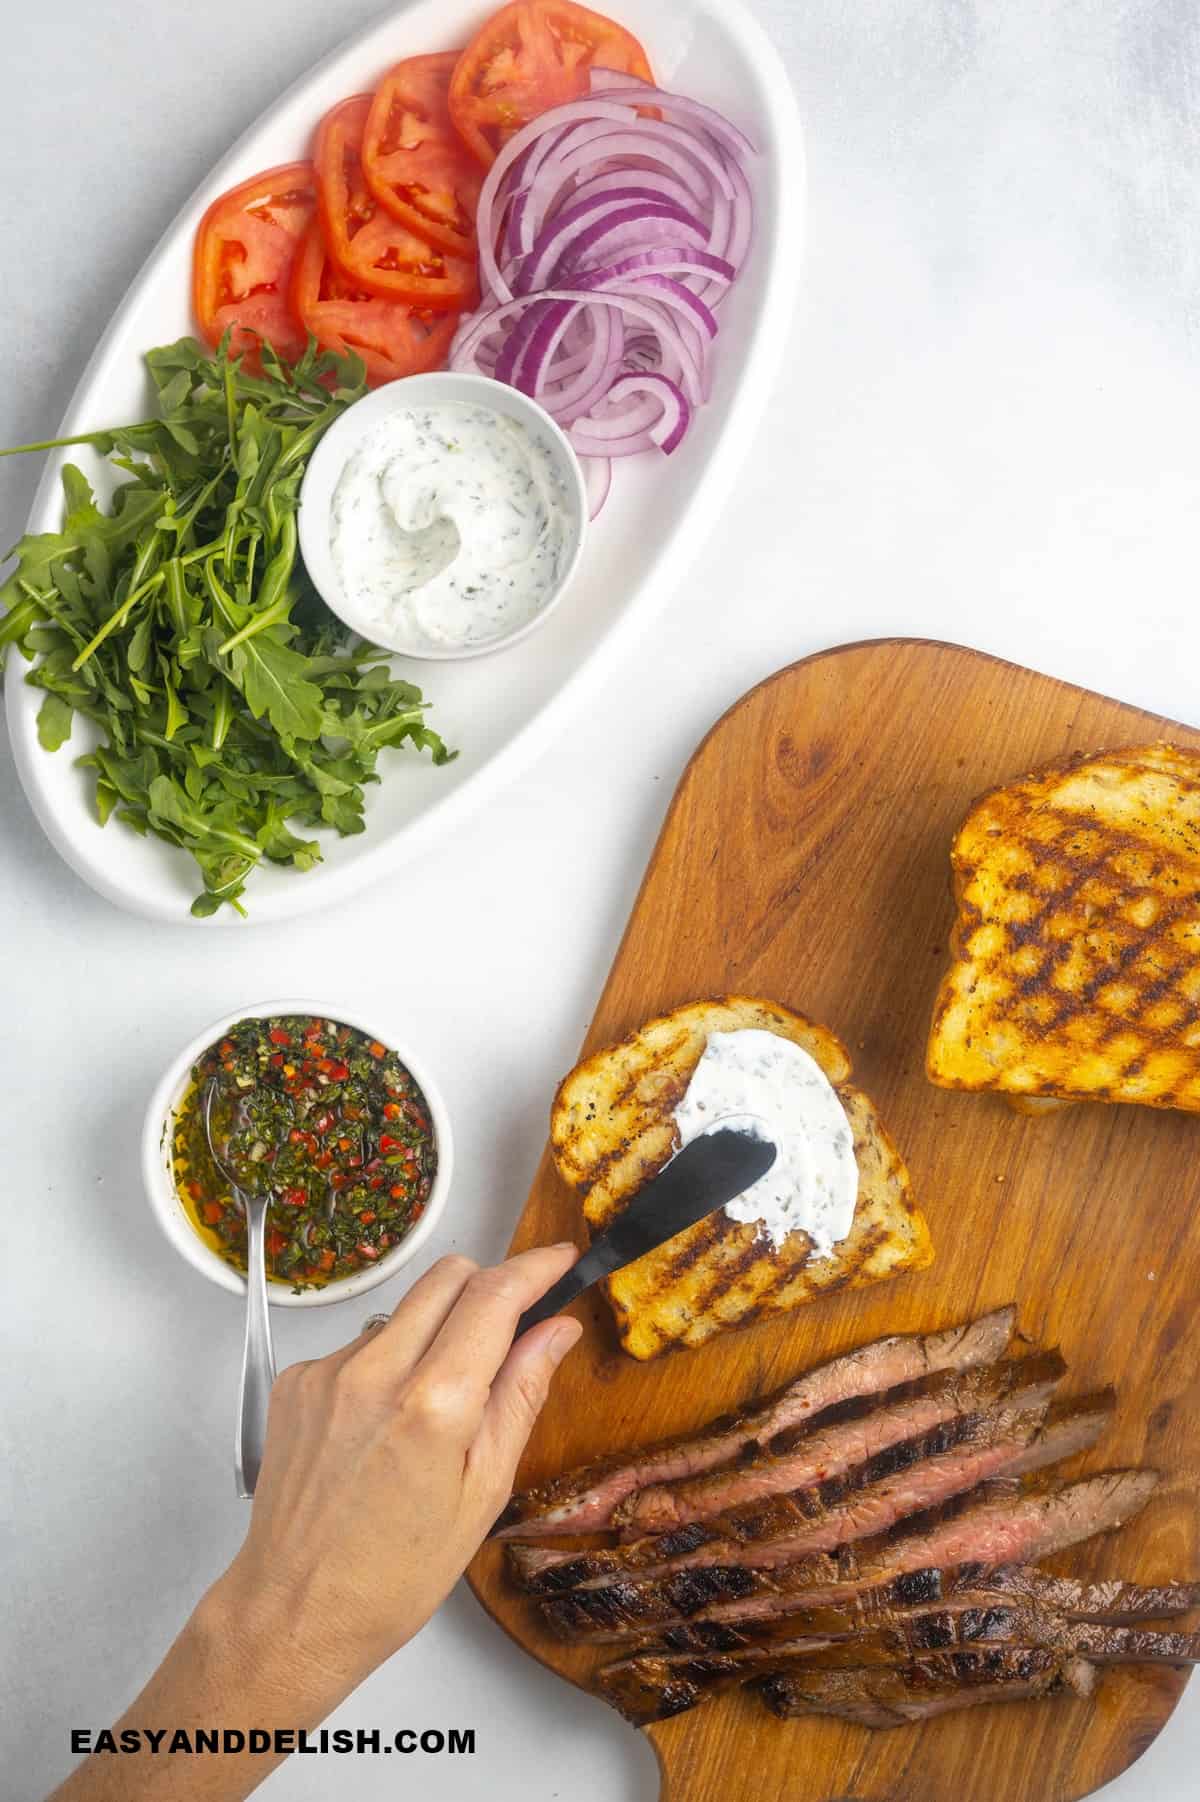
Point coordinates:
[[373, 1322]]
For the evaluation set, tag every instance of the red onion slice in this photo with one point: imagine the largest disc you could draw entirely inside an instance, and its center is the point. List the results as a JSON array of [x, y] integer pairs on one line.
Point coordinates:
[[652, 284], [660, 416], [581, 233], [636, 184], [597, 480], [622, 88], [568, 392], [609, 230]]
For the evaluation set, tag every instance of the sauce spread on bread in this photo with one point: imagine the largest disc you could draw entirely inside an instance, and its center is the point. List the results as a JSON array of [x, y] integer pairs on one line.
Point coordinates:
[[771, 1087]]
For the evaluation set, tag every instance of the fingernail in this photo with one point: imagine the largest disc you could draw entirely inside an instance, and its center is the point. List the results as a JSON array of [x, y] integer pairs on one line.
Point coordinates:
[[564, 1245], [562, 1339]]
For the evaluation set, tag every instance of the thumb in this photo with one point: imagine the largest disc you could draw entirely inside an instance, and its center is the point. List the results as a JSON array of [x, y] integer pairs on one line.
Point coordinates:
[[517, 1397]]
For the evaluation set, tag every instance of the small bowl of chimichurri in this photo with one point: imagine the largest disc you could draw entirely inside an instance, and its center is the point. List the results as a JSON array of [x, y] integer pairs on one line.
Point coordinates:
[[324, 1114]]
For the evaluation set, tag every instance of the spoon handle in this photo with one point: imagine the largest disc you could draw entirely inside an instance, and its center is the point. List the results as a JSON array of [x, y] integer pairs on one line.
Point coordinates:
[[258, 1362]]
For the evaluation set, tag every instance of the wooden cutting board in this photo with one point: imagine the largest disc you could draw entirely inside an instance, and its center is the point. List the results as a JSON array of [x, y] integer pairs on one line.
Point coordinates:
[[804, 858]]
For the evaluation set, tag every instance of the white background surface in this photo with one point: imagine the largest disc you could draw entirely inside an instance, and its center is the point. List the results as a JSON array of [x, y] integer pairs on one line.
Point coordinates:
[[985, 431]]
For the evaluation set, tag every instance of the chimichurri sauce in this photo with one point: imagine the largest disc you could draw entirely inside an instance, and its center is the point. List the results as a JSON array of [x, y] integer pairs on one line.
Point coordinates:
[[326, 1121]]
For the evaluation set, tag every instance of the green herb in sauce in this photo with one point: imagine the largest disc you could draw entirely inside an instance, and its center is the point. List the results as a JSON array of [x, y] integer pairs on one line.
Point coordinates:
[[450, 527], [328, 1123]]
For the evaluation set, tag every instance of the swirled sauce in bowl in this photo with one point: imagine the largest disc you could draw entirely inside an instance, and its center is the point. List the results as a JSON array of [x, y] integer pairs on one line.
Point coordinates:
[[443, 516]]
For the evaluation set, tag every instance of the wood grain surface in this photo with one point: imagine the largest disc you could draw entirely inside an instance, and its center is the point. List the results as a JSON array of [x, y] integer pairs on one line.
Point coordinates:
[[805, 858]]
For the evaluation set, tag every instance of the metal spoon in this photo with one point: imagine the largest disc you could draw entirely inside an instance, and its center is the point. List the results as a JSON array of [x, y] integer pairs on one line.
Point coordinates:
[[258, 1359]]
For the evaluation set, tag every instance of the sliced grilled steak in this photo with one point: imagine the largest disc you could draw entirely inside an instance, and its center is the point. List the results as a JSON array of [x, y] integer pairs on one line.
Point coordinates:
[[906, 1478], [927, 1686], [966, 1624], [655, 1684], [1074, 1424], [847, 1436], [995, 1531], [1111, 1602], [1106, 1644], [582, 1500]]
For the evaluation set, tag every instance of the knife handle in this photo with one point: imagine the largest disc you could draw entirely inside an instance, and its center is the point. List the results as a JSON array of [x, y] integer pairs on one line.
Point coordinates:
[[595, 1263], [665, 1206], [559, 1296]]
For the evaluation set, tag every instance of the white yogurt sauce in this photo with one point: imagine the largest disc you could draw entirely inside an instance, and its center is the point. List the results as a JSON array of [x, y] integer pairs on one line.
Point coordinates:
[[769, 1086], [450, 526]]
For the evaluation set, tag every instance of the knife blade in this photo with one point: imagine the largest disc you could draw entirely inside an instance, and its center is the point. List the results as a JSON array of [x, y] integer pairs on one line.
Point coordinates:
[[710, 1171]]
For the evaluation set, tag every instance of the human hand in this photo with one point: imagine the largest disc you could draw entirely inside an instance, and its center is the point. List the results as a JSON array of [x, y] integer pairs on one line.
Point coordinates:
[[385, 1465], [387, 1462]]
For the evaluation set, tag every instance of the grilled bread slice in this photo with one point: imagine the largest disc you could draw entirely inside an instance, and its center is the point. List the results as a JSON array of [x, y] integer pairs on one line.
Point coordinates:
[[1076, 972], [612, 1128]]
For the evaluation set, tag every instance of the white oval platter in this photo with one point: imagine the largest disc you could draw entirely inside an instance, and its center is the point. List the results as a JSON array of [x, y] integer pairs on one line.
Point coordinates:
[[499, 711]]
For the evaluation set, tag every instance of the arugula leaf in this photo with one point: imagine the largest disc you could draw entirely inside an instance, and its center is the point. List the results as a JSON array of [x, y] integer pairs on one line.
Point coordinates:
[[55, 718], [271, 677], [228, 703]]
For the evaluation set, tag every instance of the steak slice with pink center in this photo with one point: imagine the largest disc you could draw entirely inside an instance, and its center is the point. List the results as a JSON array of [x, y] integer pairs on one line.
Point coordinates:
[[995, 1531], [583, 1500], [869, 1499], [847, 1436], [1111, 1603]]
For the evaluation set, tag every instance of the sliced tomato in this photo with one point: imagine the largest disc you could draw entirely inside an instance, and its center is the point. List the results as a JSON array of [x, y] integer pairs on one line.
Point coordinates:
[[376, 251], [530, 56], [414, 162], [244, 258], [392, 338]]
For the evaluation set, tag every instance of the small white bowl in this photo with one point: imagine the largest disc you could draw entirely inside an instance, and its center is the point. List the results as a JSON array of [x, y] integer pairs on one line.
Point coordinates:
[[342, 440], [168, 1207]]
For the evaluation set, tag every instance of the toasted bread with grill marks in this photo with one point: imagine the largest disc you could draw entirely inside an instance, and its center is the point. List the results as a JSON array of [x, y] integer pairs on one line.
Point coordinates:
[[612, 1129], [1076, 972]]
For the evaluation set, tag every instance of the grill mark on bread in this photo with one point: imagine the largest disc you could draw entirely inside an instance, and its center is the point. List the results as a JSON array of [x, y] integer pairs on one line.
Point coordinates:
[[999, 1025], [612, 1128], [761, 1252], [606, 1161], [700, 1241]]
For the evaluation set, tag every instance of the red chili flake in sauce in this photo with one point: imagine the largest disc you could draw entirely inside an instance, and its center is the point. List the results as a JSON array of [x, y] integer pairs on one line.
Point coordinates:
[[312, 1132]]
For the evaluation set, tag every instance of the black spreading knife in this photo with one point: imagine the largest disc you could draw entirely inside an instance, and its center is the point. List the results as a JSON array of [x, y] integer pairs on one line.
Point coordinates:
[[711, 1171]]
